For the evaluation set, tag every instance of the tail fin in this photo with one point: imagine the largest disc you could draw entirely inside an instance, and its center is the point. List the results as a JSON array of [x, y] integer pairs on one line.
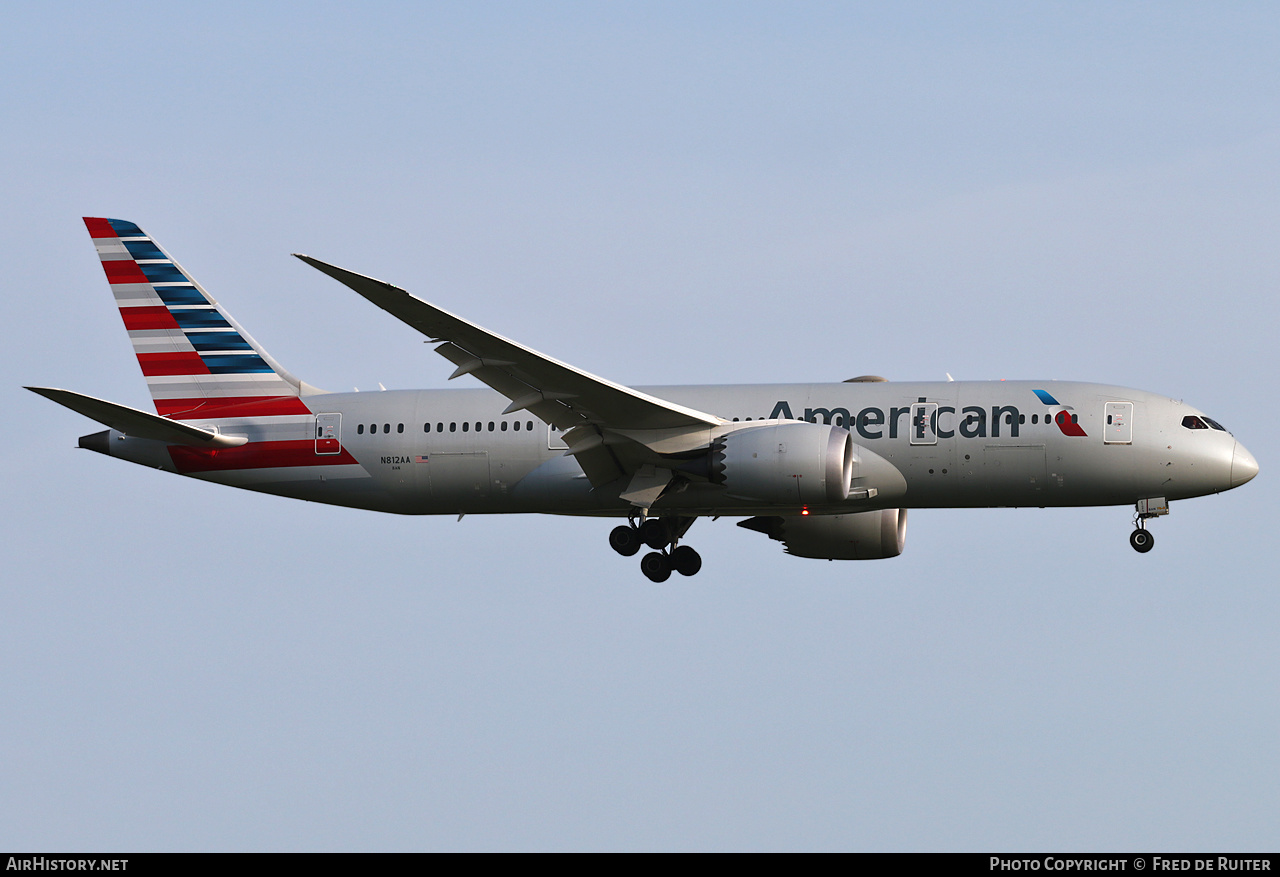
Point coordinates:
[[197, 360]]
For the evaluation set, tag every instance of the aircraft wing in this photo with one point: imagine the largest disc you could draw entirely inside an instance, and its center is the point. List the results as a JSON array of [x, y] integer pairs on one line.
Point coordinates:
[[553, 391]]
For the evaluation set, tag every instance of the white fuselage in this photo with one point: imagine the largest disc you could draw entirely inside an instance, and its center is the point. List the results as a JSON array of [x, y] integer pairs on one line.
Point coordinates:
[[954, 444]]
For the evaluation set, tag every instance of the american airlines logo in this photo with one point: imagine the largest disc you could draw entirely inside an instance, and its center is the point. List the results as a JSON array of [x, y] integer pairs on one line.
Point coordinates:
[[926, 422], [1064, 418]]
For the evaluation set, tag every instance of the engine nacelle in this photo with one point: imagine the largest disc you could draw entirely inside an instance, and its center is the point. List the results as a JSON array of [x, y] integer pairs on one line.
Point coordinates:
[[861, 536], [794, 463]]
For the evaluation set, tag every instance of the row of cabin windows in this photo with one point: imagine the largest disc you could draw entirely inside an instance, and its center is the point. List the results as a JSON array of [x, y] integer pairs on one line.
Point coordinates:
[[373, 428], [502, 425], [453, 427]]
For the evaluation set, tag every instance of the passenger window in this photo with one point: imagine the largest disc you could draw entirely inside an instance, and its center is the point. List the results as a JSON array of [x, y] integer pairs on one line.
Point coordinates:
[[466, 426], [359, 429], [529, 426], [1035, 418], [386, 427], [478, 425], [517, 426], [453, 427], [426, 427], [399, 427], [490, 426], [1075, 418], [504, 426], [439, 427]]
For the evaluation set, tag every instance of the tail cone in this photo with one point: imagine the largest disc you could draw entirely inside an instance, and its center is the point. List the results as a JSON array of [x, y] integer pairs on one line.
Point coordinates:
[[99, 442]]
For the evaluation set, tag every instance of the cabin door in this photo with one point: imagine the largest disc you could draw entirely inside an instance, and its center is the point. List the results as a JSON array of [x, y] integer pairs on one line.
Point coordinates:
[[1117, 428], [328, 434]]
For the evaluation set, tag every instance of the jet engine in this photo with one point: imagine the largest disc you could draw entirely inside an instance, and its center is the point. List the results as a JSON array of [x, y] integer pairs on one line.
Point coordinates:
[[795, 463], [861, 536]]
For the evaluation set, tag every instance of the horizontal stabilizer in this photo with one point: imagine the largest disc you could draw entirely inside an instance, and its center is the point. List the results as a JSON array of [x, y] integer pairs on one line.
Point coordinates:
[[139, 424]]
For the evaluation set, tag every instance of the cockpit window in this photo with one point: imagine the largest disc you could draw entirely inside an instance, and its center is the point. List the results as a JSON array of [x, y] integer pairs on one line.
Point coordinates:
[[1191, 421]]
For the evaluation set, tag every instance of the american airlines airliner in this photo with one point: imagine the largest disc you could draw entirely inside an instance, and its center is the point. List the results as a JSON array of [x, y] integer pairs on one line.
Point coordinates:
[[827, 469]]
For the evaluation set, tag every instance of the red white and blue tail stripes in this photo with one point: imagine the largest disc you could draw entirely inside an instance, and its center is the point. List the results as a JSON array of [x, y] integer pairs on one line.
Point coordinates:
[[197, 360]]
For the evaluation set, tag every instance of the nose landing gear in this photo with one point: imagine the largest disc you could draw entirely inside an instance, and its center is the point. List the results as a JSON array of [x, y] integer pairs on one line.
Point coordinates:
[[664, 535], [1141, 539]]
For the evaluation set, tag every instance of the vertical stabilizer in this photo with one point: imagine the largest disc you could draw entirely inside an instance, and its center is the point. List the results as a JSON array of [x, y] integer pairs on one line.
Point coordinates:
[[197, 360]]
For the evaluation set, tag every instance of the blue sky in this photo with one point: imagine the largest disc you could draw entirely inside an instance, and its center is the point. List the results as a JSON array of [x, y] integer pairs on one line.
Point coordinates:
[[658, 193]]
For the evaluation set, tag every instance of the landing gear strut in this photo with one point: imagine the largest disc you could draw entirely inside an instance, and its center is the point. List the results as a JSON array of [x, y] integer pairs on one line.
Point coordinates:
[[664, 535]]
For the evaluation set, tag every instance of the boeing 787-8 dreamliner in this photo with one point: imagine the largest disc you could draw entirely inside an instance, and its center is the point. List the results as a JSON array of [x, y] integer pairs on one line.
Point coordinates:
[[827, 469]]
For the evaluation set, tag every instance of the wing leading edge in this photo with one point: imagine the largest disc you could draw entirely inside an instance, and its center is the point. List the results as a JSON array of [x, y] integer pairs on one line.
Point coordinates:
[[601, 418], [552, 390]]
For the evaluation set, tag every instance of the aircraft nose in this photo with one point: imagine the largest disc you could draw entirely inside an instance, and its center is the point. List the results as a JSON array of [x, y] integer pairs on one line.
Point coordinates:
[[1243, 466]]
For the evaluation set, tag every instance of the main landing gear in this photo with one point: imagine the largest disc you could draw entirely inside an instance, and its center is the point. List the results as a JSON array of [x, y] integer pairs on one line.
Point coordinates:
[[664, 535], [1141, 538]]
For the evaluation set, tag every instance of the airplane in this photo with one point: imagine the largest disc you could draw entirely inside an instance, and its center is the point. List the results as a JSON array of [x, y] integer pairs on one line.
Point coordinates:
[[829, 470]]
